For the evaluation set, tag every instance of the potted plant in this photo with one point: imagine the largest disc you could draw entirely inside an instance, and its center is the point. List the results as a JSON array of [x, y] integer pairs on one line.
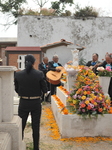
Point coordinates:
[[104, 75]]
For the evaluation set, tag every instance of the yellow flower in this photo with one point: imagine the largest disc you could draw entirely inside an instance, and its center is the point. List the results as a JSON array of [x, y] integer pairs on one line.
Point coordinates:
[[85, 92], [74, 101], [90, 99], [86, 102], [95, 103], [100, 98], [83, 97], [107, 101]]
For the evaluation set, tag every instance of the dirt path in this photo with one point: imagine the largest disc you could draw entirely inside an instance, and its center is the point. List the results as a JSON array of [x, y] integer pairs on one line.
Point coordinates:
[[47, 143]]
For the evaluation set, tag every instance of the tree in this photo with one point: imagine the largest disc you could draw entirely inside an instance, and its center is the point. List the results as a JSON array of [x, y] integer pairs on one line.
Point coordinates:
[[41, 3], [11, 7], [56, 5]]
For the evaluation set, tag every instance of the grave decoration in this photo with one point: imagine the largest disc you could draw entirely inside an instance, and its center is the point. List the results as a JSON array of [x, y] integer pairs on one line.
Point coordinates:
[[86, 98]]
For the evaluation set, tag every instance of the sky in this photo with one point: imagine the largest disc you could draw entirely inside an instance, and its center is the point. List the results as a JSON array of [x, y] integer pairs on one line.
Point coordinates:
[[103, 6]]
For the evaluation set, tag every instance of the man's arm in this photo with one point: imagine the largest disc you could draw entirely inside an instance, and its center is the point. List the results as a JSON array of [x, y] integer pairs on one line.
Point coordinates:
[[51, 67], [43, 83], [16, 83]]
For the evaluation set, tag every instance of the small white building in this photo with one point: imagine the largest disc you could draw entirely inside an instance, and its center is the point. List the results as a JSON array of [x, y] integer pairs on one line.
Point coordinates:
[[59, 48]]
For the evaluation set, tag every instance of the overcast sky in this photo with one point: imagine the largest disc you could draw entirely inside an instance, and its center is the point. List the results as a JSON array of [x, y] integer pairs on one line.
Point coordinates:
[[104, 7]]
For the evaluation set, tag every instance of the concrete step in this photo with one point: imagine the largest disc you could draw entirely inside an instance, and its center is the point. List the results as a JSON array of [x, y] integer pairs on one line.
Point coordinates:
[[5, 141]]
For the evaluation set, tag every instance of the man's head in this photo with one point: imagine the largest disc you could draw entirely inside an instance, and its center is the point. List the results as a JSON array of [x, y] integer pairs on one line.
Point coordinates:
[[55, 58], [95, 57], [108, 58], [29, 59], [45, 60]]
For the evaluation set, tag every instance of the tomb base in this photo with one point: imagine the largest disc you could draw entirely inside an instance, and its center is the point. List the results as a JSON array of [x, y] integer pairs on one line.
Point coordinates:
[[73, 125], [15, 130]]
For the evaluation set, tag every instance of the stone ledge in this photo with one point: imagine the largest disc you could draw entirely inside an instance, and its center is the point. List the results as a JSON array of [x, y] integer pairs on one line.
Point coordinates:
[[76, 126], [7, 68], [5, 141], [62, 96]]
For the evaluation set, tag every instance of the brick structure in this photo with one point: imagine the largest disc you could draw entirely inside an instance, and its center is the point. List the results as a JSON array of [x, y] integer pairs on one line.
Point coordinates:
[[5, 42], [15, 56]]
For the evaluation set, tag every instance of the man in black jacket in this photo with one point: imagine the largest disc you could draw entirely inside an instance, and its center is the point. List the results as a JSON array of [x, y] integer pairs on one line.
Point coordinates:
[[106, 63], [93, 64], [29, 83], [44, 68], [52, 66]]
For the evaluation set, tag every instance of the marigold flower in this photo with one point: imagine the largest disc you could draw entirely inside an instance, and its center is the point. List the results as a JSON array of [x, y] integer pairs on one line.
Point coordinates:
[[83, 105], [85, 92], [100, 98], [87, 102], [92, 101], [88, 92], [83, 97], [107, 101], [74, 101], [100, 109], [89, 107], [95, 103]]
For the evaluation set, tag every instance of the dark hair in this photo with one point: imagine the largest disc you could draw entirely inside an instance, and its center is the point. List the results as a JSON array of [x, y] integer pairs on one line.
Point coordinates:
[[96, 54], [29, 61]]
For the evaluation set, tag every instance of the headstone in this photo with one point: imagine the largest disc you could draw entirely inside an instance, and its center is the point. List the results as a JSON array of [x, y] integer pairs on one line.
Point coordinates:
[[8, 122]]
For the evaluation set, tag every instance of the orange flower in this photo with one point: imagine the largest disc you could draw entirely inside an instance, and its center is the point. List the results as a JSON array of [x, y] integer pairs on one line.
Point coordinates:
[[100, 109], [110, 110], [83, 105], [89, 107], [88, 92], [92, 101]]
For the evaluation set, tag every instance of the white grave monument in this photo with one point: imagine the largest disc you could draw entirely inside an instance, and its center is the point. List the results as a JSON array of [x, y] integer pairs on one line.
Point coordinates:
[[72, 73], [10, 125]]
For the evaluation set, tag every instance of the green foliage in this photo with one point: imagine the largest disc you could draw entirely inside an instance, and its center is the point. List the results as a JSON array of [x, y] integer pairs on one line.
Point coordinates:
[[47, 12], [59, 7], [88, 11], [67, 13], [27, 12], [11, 6], [82, 61], [105, 73]]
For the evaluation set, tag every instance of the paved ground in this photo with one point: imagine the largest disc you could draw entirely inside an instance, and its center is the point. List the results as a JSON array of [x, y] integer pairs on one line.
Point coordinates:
[[47, 143]]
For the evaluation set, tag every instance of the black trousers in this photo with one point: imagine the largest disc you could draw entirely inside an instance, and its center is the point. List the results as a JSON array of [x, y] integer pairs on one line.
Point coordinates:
[[33, 107], [53, 88], [110, 89]]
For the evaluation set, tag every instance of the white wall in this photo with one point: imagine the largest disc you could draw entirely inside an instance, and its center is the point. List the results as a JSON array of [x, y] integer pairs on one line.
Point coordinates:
[[63, 52], [94, 33]]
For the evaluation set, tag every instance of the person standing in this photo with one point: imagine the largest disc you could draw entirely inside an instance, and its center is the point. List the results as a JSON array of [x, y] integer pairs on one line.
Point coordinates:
[[52, 66], [108, 63], [29, 83], [44, 68], [93, 64]]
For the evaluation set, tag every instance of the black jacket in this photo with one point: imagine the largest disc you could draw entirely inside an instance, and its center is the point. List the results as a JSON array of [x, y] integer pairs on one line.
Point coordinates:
[[42, 68], [89, 63], [110, 86], [30, 85], [51, 67]]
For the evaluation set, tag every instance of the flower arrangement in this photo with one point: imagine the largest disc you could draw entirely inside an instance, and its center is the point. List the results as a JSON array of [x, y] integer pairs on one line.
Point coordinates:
[[107, 72], [87, 97]]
